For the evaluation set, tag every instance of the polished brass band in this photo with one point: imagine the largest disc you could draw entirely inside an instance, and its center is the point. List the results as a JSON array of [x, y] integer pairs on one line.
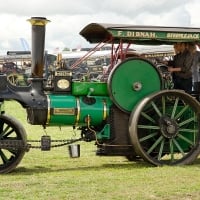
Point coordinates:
[[48, 110], [78, 111], [38, 21], [104, 110]]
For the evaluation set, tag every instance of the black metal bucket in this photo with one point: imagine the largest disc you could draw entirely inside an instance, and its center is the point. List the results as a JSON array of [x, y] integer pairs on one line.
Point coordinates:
[[74, 150]]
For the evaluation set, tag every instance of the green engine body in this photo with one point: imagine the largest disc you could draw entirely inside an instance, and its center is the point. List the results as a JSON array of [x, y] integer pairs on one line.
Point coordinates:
[[101, 110], [75, 110], [132, 113]]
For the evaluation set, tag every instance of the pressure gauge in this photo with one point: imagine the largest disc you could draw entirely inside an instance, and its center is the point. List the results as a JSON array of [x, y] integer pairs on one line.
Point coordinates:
[[63, 84], [62, 81]]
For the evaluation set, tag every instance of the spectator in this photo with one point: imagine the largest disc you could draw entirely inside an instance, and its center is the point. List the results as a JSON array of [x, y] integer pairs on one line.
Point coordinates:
[[195, 66], [181, 67]]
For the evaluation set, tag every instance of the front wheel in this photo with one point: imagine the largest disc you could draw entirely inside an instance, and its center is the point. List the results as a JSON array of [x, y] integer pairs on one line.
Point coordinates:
[[12, 141], [164, 128]]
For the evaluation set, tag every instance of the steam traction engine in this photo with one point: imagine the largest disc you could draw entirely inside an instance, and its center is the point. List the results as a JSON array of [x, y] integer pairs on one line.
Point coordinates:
[[131, 114]]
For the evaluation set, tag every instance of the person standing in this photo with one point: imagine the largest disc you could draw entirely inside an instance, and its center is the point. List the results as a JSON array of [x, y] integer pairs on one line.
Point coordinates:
[[182, 68], [195, 67]]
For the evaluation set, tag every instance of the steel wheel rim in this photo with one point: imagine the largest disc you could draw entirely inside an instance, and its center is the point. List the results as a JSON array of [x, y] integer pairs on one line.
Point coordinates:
[[10, 157], [162, 133]]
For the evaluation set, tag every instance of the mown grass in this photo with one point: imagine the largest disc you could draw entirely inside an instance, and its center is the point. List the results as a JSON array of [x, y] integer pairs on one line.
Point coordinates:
[[53, 175]]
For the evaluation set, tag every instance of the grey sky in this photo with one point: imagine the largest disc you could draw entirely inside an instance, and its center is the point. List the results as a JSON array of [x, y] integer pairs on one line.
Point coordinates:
[[69, 17]]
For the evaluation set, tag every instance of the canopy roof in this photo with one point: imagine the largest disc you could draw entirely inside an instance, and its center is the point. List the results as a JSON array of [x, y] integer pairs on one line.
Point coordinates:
[[144, 35]]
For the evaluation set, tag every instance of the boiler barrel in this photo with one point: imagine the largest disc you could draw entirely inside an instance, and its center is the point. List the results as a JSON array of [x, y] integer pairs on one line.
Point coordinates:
[[71, 110]]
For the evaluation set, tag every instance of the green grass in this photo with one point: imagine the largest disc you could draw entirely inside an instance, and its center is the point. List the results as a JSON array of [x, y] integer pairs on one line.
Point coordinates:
[[53, 175]]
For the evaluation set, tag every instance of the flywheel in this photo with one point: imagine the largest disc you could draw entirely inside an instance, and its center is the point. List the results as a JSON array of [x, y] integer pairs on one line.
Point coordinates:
[[131, 81]]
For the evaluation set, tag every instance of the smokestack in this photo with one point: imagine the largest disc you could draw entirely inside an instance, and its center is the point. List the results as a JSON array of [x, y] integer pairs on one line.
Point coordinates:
[[38, 40]]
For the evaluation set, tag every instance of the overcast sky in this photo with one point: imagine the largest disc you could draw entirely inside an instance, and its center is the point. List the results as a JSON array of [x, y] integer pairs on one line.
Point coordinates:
[[69, 17]]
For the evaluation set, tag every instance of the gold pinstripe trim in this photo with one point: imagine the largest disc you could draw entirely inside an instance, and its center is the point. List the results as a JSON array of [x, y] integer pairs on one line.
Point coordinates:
[[104, 110], [48, 110], [78, 110]]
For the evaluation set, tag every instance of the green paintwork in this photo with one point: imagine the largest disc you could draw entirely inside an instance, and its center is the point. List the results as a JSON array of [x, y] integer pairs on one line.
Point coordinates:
[[64, 110], [94, 111], [138, 34], [157, 35], [126, 75], [85, 88], [104, 133], [185, 138], [62, 102], [188, 135]]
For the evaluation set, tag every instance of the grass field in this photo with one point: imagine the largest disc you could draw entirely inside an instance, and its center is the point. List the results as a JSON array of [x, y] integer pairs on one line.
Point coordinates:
[[53, 175]]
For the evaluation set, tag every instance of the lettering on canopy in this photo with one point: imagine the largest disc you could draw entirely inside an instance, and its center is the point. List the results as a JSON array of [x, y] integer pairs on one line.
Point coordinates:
[[155, 35], [183, 36], [156, 55]]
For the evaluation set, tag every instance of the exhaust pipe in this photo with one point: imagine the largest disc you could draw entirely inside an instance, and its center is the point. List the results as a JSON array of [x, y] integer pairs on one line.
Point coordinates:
[[31, 97], [38, 40], [37, 107]]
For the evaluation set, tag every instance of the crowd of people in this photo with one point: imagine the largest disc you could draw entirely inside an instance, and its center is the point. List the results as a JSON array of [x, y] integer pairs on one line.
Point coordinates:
[[185, 67]]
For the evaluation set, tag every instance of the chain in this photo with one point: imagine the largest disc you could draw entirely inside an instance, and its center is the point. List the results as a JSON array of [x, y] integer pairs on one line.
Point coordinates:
[[64, 142], [13, 144], [20, 144]]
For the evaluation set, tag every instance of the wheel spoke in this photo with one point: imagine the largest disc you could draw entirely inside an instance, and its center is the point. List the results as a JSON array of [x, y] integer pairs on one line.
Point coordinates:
[[13, 151], [148, 137], [181, 112], [187, 121], [186, 139], [156, 109], [187, 130], [155, 144], [10, 130], [171, 147], [163, 105], [148, 117], [9, 133], [148, 127], [1, 128], [178, 146], [165, 128], [5, 133], [175, 107], [3, 157], [161, 149]]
